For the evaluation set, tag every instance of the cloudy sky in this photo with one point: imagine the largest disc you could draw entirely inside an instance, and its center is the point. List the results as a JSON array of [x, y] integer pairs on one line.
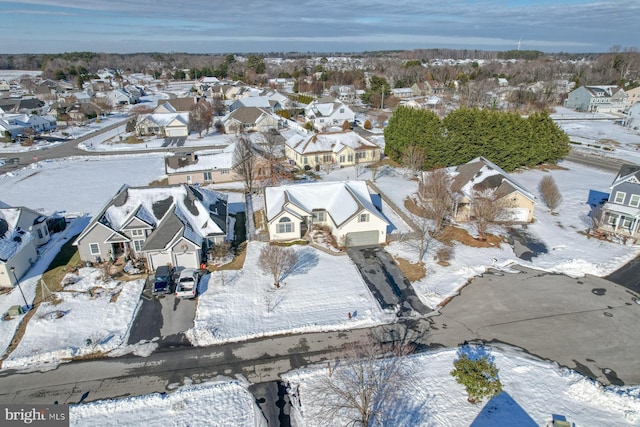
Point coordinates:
[[215, 26]]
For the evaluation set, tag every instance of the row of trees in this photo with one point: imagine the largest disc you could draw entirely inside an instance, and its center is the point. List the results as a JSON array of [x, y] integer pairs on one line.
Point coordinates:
[[506, 139]]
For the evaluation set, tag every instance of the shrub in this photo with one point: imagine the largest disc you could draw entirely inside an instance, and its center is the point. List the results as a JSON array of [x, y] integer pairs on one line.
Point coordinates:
[[367, 124], [550, 192], [479, 377]]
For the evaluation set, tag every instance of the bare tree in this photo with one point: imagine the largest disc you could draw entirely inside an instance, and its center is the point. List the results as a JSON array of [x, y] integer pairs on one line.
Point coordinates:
[[277, 261], [358, 167], [435, 197], [272, 148], [245, 161], [550, 192], [413, 158], [201, 117], [486, 209], [375, 169], [368, 387]]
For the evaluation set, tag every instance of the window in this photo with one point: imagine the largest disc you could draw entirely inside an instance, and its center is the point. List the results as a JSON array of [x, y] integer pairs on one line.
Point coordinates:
[[620, 197], [137, 233], [612, 219], [363, 217], [317, 160], [341, 110], [39, 234], [224, 171], [326, 158], [626, 223], [189, 179], [207, 176], [361, 154], [318, 216], [350, 157], [137, 244], [635, 200], [285, 225], [94, 248], [342, 158], [306, 160]]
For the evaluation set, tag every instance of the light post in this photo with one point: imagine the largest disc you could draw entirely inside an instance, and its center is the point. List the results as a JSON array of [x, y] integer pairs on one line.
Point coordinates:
[[13, 271]]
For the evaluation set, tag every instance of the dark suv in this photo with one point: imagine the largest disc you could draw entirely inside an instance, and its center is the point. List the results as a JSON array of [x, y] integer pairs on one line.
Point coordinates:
[[162, 280]]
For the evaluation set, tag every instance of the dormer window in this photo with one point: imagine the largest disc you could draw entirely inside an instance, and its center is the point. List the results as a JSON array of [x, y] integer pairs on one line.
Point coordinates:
[[137, 233]]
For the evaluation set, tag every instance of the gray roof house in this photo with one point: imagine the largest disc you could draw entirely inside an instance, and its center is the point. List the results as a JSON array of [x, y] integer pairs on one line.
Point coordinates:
[[172, 225], [601, 99], [621, 213]]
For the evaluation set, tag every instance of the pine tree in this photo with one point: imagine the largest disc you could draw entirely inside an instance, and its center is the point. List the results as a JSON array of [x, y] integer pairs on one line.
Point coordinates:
[[479, 377]]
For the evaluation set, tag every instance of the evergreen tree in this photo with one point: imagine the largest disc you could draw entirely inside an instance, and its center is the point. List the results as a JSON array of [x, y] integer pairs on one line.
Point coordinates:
[[479, 377]]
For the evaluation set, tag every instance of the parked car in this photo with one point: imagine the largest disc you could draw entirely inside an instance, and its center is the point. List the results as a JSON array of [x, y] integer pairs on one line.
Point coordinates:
[[162, 280], [187, 286]]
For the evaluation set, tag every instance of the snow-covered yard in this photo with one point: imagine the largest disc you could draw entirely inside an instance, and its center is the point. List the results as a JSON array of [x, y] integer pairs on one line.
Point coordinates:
[[216, 403], [90, 315], [320, 294], [533, 390]]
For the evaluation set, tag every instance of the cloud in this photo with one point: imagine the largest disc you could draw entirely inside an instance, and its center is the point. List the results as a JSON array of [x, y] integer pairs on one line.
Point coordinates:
[[568, 25]]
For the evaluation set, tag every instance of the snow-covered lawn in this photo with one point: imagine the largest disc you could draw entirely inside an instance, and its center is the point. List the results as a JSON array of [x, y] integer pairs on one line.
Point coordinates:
[[91, 315], [319, 294], [221, 403], [533, 390], [80, 185]]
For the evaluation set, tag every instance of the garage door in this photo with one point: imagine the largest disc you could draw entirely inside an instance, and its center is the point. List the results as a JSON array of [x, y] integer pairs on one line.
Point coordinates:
[[517, 214], [362, 238], [159, 259], [173, 132], [187, 260]]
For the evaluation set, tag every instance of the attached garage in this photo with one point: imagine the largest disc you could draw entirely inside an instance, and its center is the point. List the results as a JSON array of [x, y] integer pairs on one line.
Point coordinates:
[[159, 258], [187, 260], [362, 238], [517, 214], [173, 132]]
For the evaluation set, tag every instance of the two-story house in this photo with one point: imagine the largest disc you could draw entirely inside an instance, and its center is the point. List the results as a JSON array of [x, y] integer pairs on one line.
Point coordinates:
[[597, 99], [621, 213], [327, 111]]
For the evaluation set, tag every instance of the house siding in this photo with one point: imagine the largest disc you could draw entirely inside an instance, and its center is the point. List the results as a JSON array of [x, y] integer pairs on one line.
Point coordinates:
[[97, 235]]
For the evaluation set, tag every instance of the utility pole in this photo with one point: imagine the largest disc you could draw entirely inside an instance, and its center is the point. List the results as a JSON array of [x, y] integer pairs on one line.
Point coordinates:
[[382, 99]]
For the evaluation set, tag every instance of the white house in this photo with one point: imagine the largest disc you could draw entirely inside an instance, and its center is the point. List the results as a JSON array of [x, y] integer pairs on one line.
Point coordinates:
[[344, 207], [251, 119], [633, 117], [21, 231], [172, 225], [325, 112]]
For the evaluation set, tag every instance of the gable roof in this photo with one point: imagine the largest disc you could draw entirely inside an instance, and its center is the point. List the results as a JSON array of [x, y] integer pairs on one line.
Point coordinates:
[[480, 174], [627, 173], [341, 199], [247, 114], [13, 234], [180, 104], [200, 212], [323, 142]]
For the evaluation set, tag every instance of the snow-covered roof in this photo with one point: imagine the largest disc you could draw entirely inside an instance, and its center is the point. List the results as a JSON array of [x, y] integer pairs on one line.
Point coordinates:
[[206, 162], [197, 212], [341, 199], [482, 174], [164, 119], [12, 237], [323, 142]]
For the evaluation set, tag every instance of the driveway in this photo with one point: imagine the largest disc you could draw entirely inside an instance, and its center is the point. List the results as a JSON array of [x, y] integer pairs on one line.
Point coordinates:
[[386, 281], [164, 318], [588, 324]]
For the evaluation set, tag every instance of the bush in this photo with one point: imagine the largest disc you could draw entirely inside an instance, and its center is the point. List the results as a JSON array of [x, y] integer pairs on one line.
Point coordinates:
[[367, 124], [479, 377], [550, 192]]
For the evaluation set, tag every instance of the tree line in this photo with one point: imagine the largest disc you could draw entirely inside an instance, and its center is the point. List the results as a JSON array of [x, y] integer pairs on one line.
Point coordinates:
[[505, 138]]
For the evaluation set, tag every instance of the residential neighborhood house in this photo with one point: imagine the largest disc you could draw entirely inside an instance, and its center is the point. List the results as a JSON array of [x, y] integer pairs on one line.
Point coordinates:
[[621, 213], [22, 230], [327, 111], [480, 176], [345, 148], [600, 99], [344, 207], [202, 169], [172, 225]]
